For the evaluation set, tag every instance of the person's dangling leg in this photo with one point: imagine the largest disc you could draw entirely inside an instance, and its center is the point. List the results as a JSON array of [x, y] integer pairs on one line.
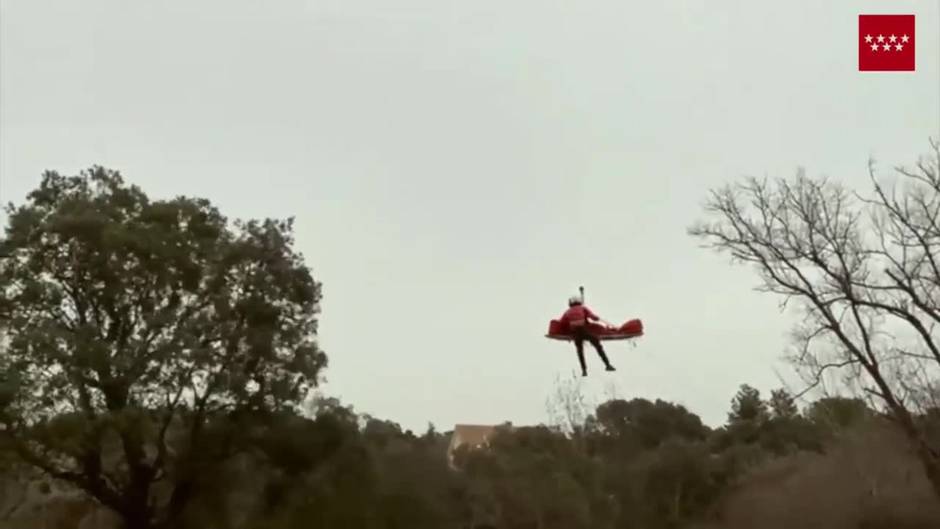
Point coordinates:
[[579, 347], [600, 352]]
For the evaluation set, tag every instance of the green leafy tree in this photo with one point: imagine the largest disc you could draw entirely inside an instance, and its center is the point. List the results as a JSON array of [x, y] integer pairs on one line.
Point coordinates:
[[672, 485], [786, 431], [139, 334], [273, 473], [341, 493], [748, 416], [536, 477], [838, 413], [782, 405], [759, 429], [639, 424], [416, 487], [748, 407]]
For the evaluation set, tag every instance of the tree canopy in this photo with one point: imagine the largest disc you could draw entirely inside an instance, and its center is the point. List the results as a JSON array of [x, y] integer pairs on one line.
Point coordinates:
[[145, 323]]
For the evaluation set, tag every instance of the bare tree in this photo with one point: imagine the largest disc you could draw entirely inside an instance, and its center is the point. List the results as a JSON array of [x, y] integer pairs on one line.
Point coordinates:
[[865, 272], [568, 407]]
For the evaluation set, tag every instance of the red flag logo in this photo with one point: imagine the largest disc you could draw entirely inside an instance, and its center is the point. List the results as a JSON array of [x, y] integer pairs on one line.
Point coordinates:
[[886, 43]]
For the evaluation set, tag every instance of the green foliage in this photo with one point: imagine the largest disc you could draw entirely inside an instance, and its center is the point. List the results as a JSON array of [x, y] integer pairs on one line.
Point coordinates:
[[622, 429], [747, 407], [771, 428], [650, 423], [782, 405], [640, 465], [128, 318], [673, 484], [536, 477], [838, 413]]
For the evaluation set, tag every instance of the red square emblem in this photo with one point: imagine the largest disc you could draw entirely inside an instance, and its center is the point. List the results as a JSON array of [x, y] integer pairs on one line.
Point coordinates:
[[885, 43]]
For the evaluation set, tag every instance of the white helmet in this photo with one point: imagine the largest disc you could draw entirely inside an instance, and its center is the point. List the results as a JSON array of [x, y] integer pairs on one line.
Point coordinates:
[[574, 300]]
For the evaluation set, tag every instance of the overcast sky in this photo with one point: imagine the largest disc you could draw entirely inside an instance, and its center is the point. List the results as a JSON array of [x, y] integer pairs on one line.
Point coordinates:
[[457, 169]]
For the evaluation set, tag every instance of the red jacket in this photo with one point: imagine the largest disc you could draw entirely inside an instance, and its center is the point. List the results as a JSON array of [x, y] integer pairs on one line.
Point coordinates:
[[578, 315]]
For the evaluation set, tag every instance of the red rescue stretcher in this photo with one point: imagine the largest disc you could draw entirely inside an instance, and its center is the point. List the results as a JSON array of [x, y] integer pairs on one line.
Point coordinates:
[[558, 330]]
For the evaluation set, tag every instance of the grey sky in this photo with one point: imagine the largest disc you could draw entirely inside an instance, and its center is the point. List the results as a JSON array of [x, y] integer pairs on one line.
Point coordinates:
[[457, 169]]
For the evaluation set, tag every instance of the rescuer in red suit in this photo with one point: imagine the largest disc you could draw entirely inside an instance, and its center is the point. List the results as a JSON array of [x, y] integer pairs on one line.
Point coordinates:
[[577, 317]]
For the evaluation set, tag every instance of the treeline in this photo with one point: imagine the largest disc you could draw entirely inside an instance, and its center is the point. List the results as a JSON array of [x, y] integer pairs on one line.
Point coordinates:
[[631, 464]]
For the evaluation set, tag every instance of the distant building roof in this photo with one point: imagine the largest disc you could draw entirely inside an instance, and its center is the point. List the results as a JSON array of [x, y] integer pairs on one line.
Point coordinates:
[[471, 435]]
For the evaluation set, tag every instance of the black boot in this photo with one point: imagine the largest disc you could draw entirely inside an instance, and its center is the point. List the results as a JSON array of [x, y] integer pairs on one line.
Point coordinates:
[[603, 355]]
